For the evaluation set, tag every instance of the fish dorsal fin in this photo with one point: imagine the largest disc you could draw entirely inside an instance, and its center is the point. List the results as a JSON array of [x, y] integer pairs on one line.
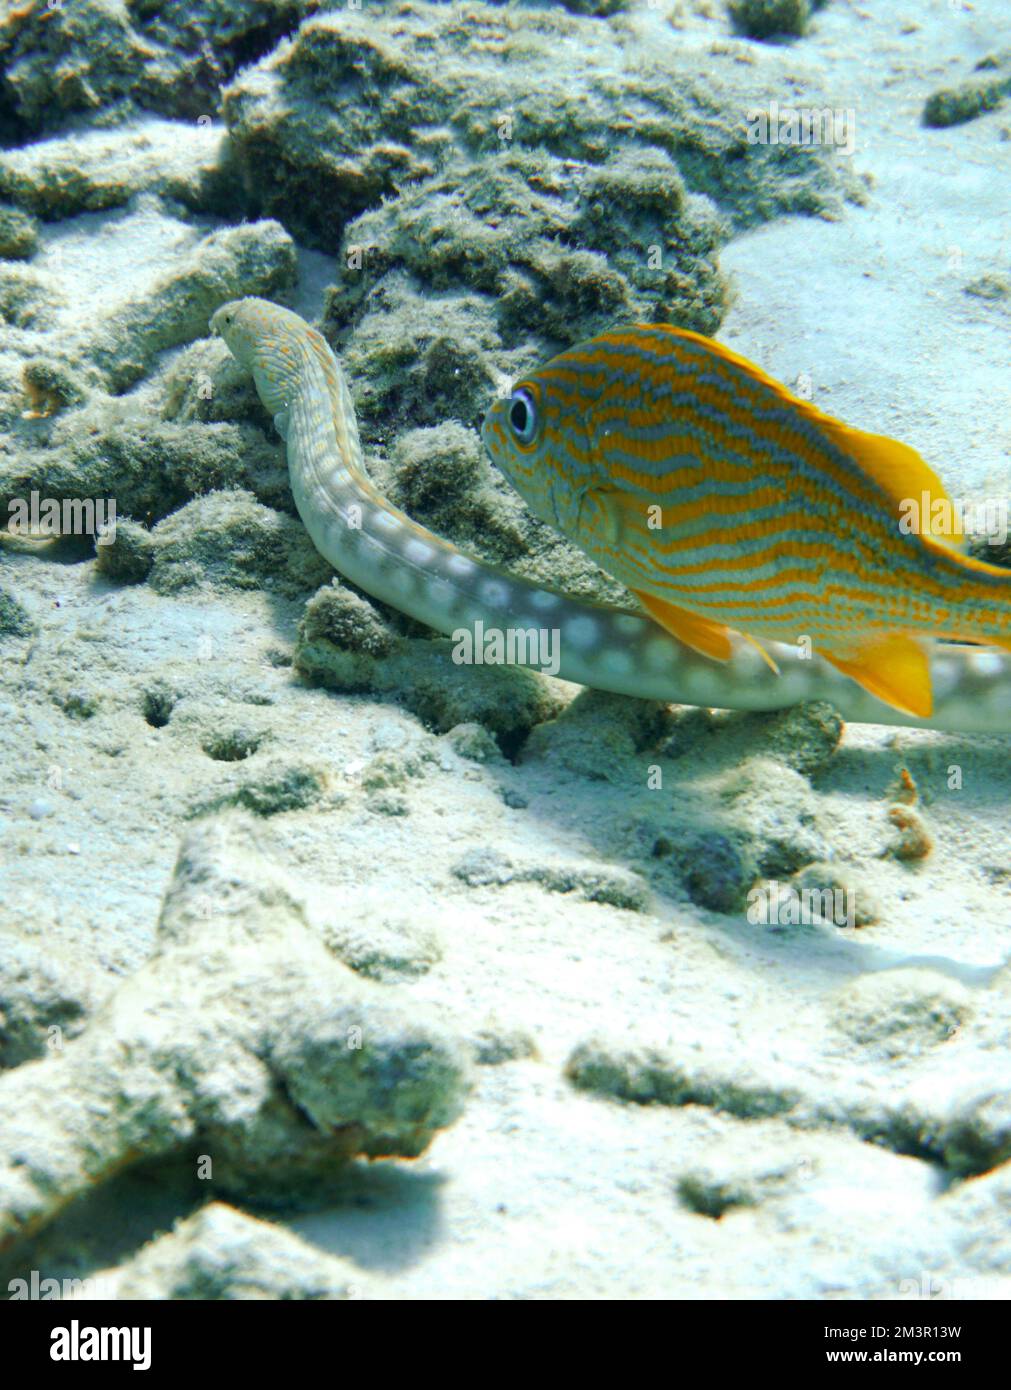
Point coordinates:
[[906, 477], [895, 668], [900, 472], [702, 635]]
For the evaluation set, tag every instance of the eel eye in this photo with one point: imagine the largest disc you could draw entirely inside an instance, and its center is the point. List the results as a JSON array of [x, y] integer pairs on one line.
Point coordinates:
[[523, 416]]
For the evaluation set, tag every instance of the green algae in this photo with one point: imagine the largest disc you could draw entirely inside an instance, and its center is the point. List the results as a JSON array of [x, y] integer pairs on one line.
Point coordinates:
[[352, 113], [229, 540], [19, 233], [766, 19], [984, 91]]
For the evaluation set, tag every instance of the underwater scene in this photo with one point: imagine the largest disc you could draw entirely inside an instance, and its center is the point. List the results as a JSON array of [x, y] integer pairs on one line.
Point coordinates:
[[505, 651]]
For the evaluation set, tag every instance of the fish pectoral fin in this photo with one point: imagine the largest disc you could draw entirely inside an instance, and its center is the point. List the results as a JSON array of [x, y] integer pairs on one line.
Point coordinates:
[[618, 515], [894, 668], [606, 515], [701, 634]]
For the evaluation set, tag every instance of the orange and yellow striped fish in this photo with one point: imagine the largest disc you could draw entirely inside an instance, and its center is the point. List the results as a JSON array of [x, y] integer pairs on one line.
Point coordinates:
[[723, 501]]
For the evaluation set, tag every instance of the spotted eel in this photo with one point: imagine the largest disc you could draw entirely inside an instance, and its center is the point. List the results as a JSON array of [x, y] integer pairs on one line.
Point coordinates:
[[385, 553]]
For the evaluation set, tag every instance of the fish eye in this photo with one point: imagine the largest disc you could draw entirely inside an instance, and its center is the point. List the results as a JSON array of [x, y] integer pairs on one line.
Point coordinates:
[[523, 416]]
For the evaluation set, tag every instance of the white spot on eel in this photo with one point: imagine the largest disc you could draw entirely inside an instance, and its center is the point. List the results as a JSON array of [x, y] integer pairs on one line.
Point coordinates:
[[495, 593], [418, 552], [581, 632]]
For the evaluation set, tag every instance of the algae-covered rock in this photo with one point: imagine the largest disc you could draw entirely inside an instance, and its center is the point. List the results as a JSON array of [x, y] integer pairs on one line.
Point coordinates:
[[45, 1000], [114, 450], [228, 539], [251, 1050], [127, 554], [224, 1254], [256, 258], [804, 737], [72, 440], [351, 111], [344, 645], [991, 286], [751, 1167], [656, 1076], [267, 789], [853, 903], [978, 1137], [50, 386], [597, 7], [15, 620], [26, 296], [709, 825], [19, 233], [774, 807], [345, 620], [717, 868], [902, 1013], [598, 736], [496, 1043], [442, 472], [474, 742], [204, 382], [595, 883], [86, 57], [94, 169], [400, 1087], [210, 39], [70, 58], [565, 247], [420, 673], [382, 940], [755, 820], [984, 91], [767, 19]]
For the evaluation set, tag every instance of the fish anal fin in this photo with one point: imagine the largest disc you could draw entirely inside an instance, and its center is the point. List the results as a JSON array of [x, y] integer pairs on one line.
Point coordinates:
[[895, 668], [701, 634]]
